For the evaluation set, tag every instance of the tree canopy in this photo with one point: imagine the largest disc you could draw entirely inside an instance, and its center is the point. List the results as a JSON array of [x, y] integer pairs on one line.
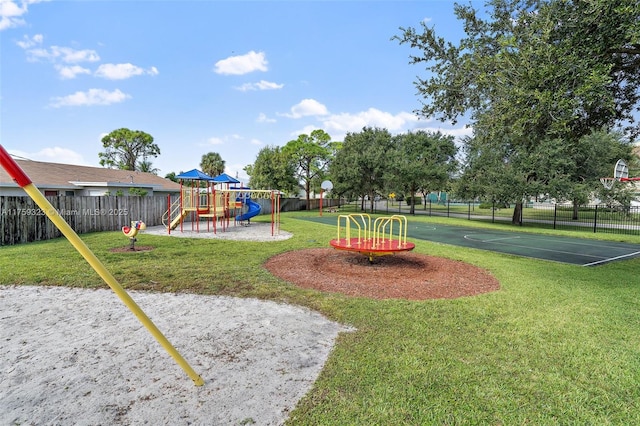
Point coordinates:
[[537, 78], [362, 163], [272, 170], [422, 162], [545, 68], [128, 150], [310, 155]]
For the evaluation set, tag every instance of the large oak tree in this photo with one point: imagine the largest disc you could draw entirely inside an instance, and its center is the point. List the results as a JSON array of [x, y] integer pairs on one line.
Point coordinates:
[[272, 170], [362, 165], [536, 78], [422, 162], [310, 155]]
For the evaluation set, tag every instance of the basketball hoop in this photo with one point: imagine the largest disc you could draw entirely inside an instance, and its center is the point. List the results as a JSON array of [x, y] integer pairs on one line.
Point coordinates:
[[621, 170], [620, 173], [608, 182]]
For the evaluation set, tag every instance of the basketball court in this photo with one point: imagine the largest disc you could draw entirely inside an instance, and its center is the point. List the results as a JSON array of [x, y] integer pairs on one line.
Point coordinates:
[[577, 251]]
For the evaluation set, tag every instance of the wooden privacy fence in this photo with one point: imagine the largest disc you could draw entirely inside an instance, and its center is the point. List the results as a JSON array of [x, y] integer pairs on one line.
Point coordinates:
[[22, 221]]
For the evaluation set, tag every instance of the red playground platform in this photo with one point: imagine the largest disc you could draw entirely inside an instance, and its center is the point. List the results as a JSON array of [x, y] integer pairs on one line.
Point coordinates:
[[387, 235]]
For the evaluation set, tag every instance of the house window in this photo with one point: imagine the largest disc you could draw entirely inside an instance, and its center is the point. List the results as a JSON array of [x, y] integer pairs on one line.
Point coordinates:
[[69, 193], [50, 193]]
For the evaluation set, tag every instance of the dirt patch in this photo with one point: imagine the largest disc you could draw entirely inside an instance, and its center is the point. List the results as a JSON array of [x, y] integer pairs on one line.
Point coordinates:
[[409, 276], [127, 249]]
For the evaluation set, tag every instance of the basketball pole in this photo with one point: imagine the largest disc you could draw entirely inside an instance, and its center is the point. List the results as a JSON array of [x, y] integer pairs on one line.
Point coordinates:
[[21, 178]]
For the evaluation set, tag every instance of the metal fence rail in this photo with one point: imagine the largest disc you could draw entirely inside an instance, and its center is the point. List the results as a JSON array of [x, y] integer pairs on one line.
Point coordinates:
[[594, 218]]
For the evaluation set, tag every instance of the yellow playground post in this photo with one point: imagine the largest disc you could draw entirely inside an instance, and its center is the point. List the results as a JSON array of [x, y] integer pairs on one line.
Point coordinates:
[[21, 178]]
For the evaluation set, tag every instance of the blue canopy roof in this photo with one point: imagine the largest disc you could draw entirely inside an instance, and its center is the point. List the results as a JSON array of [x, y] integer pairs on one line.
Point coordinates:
[[194, 174], [225, 178]]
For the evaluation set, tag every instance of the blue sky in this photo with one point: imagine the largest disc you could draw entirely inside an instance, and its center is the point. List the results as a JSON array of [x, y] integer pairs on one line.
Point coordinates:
[[206, 76]]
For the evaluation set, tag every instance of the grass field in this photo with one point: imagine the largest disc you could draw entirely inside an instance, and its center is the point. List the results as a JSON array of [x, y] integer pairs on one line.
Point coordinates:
[[558, 344]]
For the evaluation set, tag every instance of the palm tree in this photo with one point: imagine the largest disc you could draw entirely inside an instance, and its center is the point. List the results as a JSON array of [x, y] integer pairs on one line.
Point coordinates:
[[146, 166], [212, 164]]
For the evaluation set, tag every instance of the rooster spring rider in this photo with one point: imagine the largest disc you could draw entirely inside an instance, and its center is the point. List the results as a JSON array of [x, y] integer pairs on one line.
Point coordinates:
[[132, 231]]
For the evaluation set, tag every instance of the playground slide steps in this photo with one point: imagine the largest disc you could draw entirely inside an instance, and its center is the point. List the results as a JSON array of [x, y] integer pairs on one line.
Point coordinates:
[[177, 220]]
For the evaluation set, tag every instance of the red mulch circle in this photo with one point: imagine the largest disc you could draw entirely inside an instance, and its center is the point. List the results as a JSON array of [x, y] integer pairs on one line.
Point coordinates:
[[404, 275]]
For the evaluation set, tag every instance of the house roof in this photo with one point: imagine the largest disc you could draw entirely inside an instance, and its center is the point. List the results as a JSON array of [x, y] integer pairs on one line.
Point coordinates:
[[70, 176]]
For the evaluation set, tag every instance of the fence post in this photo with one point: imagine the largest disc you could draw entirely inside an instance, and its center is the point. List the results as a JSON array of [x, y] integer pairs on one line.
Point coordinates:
[[555, 215], [429, 206], [595, 220], [448, 209], [469, 211]]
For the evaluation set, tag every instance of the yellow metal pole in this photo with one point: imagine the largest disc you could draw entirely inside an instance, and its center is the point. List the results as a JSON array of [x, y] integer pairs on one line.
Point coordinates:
[[22, 179]]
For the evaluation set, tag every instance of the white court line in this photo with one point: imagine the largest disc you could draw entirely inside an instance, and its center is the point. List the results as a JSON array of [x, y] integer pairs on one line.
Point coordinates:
[[611, 259], [491, 240], [539, 249]]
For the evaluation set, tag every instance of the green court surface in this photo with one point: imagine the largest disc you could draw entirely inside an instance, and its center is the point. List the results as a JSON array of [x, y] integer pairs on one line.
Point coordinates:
[[577, 251]]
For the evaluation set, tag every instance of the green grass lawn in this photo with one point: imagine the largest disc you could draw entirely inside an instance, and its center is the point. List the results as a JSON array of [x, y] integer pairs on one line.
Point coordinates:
[[558, 344]]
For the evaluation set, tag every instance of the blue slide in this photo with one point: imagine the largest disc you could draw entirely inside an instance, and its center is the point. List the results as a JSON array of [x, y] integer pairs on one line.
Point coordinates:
[[253, 210]]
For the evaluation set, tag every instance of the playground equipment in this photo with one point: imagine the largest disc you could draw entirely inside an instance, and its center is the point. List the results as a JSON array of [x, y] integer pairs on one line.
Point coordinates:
[[202, 196], [244, 198], [21, 178], [620, 174], [377, 239], [132, 231]]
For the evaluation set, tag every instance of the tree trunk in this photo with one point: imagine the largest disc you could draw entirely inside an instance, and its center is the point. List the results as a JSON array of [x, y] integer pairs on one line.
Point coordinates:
[[412, 203], [517, 214], [575, 210]]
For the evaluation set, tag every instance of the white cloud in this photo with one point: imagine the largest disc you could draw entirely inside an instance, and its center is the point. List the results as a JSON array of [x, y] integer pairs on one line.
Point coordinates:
[[256, 142], [242, 64], [222, 140], [261, 85], [11, 13], [346, 122], [67, 55], [122, 71], [53, 155], [307, 107], [262, 118], [71, 72], [27, 42], [90, 97], [306, 130], [338, 125], [215, 141]]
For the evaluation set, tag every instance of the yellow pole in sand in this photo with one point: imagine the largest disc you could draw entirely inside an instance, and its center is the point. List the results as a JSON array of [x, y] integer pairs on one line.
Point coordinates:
[[21, 178]]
